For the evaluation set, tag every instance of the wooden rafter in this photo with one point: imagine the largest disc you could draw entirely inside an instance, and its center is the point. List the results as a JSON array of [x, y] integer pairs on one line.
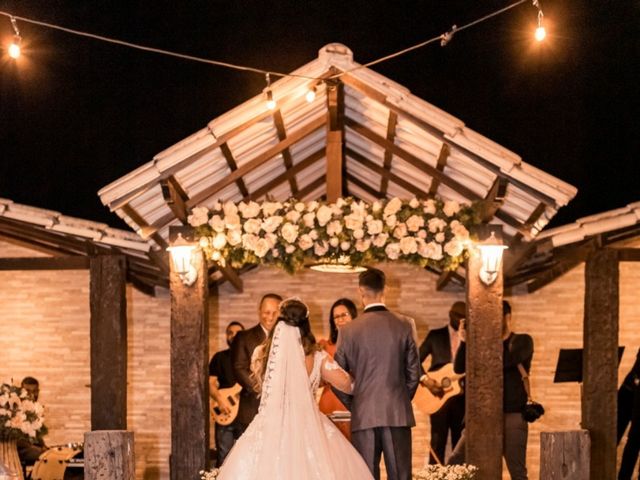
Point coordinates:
[[73, 262], [311, 187], [146, 229], [286, 153], [231, 275], [444, 279], [441, 162], [363, 185], [175, 197], [335, 140], [233, 166], [388, 155], [629, 254], [378, 96], [494, 199]]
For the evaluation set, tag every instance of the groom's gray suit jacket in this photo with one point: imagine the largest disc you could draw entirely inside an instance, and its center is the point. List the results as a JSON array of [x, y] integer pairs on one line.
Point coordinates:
[[379, 350]]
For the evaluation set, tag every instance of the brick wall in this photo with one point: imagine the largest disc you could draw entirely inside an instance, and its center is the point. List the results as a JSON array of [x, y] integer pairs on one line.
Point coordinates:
[[49, 313]]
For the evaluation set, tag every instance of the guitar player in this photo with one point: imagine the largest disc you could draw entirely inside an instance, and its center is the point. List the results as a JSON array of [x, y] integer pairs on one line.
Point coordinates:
[[441, 345], [221, 375]]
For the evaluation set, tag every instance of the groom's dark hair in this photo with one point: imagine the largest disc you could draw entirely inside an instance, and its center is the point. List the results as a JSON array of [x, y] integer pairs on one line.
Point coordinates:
[[372, 279]]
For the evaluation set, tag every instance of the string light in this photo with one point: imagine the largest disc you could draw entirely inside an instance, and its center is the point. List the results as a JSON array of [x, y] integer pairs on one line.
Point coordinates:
[[311, 94], [541, 33], [271, 103], [14, 47]]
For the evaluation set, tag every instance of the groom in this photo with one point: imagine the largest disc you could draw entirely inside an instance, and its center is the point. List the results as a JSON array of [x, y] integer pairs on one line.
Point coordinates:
[[380, 352]]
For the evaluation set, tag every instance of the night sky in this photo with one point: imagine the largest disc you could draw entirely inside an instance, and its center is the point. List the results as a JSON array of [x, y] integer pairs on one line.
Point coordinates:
[[77, 114]]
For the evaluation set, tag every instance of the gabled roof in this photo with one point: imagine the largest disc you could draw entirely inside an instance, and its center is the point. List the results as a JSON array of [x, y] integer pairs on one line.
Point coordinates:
[[61, 235], [389, 143], [558, 250]]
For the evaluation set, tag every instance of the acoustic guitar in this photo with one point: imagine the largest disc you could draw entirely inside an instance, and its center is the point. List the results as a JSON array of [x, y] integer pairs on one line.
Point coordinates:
[[232, 395], [450, 383]]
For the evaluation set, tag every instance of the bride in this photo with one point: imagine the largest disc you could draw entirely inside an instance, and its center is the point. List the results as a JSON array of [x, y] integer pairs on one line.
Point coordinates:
[[289, 438]]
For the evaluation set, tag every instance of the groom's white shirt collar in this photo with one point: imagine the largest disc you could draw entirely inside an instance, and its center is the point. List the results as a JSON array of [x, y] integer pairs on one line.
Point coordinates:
[[266, 332], [371, 305]]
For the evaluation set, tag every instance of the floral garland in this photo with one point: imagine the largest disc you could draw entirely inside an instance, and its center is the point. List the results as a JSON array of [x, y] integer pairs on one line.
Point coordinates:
[[291, 234], [446, 472], [20, 417]]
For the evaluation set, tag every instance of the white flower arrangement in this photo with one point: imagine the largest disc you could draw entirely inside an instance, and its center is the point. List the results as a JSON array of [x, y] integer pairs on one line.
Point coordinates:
[[20, 417], [209, 474], [446, 472], [290, 234]]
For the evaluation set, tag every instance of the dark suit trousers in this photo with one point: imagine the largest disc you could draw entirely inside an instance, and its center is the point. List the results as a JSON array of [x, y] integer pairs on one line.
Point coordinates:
[[393, 442], [449, 417]]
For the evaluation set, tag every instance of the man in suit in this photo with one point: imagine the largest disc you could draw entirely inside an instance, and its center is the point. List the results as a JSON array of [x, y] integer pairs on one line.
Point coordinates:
[[242, 348], [380, 352], [441, 344]]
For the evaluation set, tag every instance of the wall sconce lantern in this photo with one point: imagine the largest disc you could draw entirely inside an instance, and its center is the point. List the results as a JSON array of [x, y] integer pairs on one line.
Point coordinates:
[[182, 256], [491, 253]]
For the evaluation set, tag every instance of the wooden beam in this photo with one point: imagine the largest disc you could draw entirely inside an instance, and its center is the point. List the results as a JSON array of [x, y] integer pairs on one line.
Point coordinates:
[[388, 155], [440, 164], [231, 275], [175, 198], [233, 166], [287, 175], [286, 153], [108, 332], [148, 231], [36, 245], [251, 165], [628, 254], [45, 263], [493, 200], [311, 187], [407, 185], [335, 141], [535, 216], [444, 279], [380, 97], [600, 360]]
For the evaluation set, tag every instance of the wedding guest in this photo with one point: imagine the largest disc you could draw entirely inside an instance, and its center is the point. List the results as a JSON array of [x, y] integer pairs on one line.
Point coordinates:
[[342, 312], [30, 451], [632, 447], [221, 375]]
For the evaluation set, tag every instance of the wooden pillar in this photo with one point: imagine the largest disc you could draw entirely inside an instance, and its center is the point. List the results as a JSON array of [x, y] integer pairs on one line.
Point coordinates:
[[335, 143], [189, 374], [600, 361], [109, 454], [565, 455], [108, 276], [484, 412]]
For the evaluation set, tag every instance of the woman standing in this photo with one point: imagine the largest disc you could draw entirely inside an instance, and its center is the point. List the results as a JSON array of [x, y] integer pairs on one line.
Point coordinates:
[[341, 313]]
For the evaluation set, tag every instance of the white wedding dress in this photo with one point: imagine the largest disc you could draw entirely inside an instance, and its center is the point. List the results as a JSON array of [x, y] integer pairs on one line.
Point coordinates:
[[289, 439]]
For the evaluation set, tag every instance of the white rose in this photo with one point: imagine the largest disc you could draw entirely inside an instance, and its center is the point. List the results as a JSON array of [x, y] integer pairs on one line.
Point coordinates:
[[252, 225], [219, 241], [230, 208], [199, 216], [262, 247], [289, 232], [275, 253], [430, 250], [269, 208], [300, 206], [429, 207], [320, 248], [293, 216], [453, 247], [250, 210], [271, 224], [234, 237], [393, 251], [217, 223], [400, 231], [436, 225], [408, 245], [414, 203], [324, 215], [345, 245], [334, 242], [249, 241], [232, 220], [459, 231], [381, 240], [336, 210], [305, 242], [353, 221], [358, 234], [340, 202], [309, 219], [393, 206], [290, 249], [451, 207], [422, 234], [376, 206], [313, 234], [334, 228], [363, 245], [374, 227], [391, 221], [415, 223], [440, 237], [216, 205], [271, 239], [311, 206]]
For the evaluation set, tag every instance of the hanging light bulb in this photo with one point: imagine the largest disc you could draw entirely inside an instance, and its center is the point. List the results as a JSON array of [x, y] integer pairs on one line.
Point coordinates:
[[311, 94], [14, 47], [541, 32], [271, 103]]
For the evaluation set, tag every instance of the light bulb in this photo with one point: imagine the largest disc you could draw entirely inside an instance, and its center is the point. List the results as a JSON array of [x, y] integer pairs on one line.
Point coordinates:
[[271, 103], [14, 48], [541, 33], [311, 95]]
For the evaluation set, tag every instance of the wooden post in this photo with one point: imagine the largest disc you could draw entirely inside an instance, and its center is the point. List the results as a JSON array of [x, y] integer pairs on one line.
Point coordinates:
[[565, 455], [189, 374], [484, 385], [335, 137], [600, 360], [109, 454], [108, 277]]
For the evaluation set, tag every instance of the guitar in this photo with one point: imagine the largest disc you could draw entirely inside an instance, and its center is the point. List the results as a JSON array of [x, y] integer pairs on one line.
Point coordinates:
[[232, 395], [448, 380]]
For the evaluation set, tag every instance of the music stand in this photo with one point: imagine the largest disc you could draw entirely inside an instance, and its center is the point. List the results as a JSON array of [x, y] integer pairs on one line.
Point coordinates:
[[569, 367]]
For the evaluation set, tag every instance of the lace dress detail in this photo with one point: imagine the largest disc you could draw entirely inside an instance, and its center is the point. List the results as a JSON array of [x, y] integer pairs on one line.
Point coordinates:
[[316, 373]]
